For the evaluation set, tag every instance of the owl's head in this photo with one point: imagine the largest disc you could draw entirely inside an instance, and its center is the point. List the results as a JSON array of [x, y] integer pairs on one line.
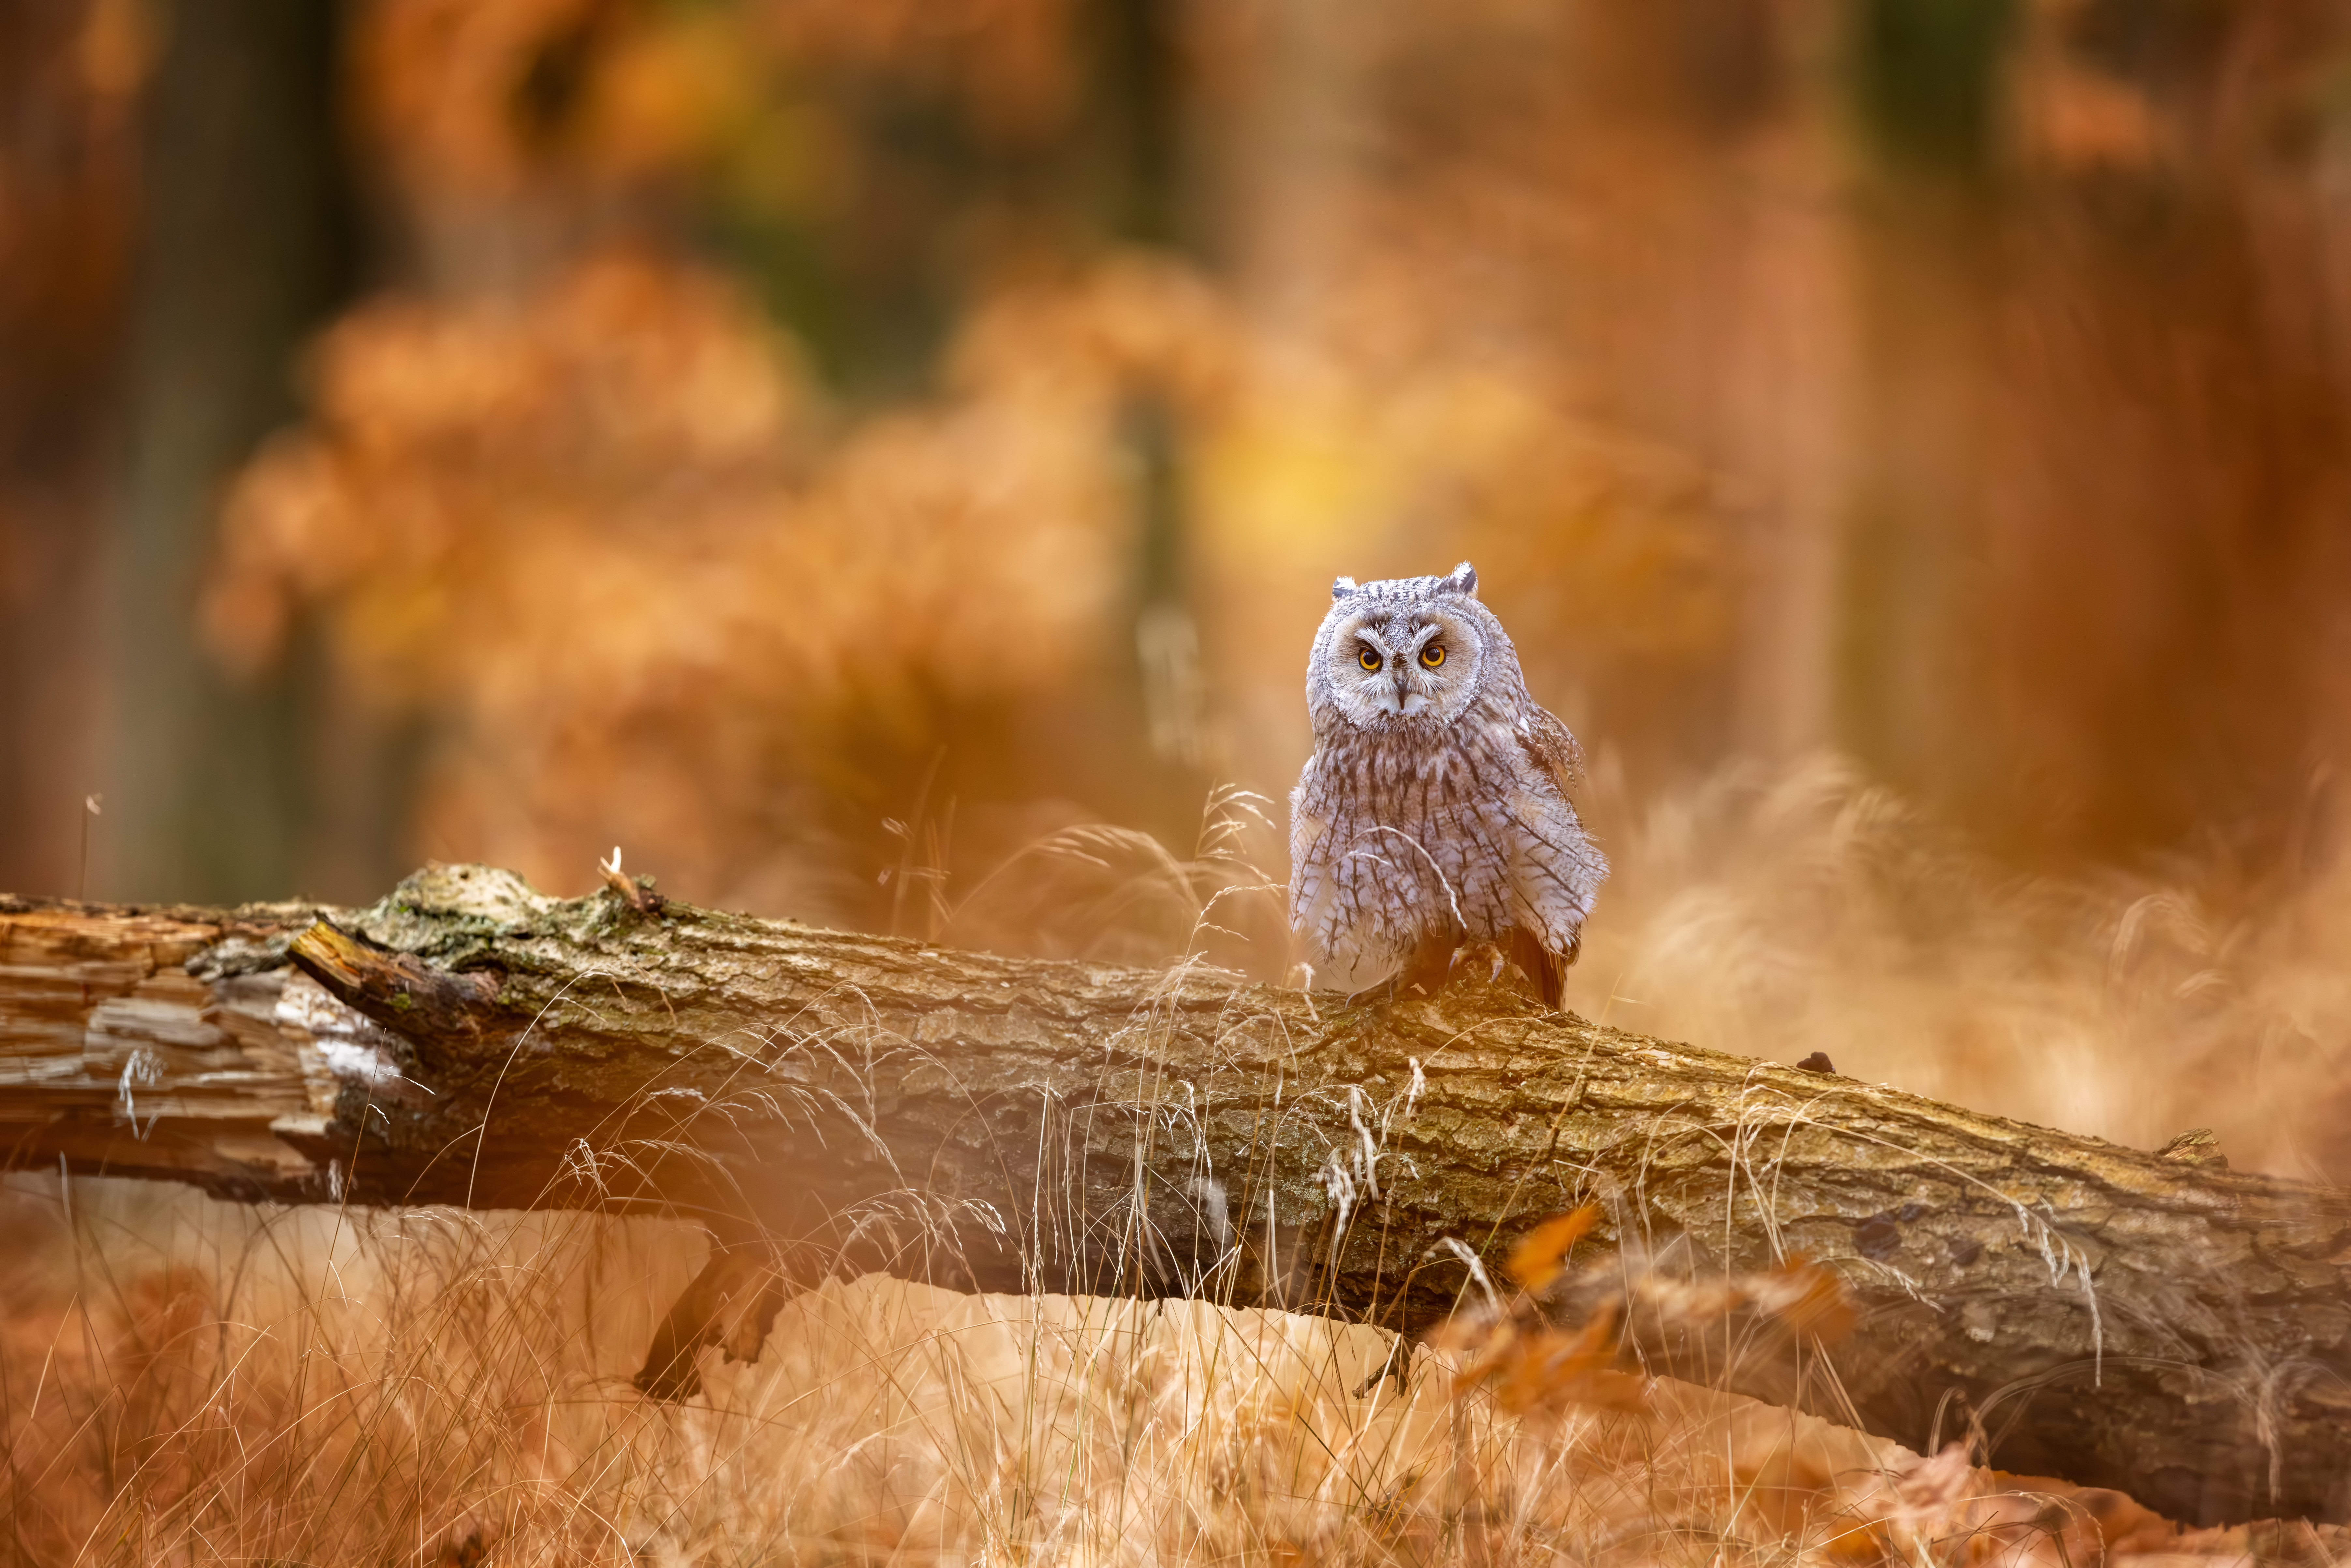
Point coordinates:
[[1409, 653]]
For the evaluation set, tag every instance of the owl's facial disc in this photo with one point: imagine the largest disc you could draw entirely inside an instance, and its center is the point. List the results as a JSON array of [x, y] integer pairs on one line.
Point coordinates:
[[1404, 665]]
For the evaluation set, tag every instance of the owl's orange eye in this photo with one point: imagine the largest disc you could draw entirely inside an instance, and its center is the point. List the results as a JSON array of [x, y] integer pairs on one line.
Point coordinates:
[[1433, 656], [1369, 658]]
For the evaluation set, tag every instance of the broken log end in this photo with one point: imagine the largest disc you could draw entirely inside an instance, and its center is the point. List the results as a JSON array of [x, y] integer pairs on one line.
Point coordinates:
[[398, 990]]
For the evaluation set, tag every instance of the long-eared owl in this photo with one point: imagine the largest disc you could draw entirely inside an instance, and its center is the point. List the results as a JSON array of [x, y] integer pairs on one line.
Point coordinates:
[[1434, 811]]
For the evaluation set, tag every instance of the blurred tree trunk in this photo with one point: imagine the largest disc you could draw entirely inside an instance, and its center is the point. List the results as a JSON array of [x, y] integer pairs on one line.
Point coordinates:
[[1926, 81], [2093, 563], [860, 1103], [246, 249], [69, 77]]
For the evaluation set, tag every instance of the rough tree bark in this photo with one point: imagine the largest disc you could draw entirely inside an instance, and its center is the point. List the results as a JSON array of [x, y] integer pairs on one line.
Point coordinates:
[[843, 1101]]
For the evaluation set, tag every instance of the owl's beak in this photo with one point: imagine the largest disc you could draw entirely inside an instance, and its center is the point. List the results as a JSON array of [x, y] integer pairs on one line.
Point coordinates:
[[1398, 697]]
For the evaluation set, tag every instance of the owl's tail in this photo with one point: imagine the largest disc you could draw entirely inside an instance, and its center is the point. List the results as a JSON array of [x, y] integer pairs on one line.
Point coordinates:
[[1546, 968]]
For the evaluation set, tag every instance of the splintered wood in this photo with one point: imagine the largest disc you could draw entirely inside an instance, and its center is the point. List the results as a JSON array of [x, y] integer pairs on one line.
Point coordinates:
[[115, 1057]]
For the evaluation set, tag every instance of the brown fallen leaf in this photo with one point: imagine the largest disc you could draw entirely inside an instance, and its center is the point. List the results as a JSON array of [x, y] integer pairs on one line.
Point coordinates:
[[1541, 1255]]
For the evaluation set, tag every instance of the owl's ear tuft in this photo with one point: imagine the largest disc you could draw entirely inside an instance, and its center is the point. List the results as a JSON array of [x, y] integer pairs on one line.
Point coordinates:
[[1342, 587], [1462, 580]]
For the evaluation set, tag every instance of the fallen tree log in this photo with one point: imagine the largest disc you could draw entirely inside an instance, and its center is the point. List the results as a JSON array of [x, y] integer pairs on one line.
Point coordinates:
[[2172, 1329]]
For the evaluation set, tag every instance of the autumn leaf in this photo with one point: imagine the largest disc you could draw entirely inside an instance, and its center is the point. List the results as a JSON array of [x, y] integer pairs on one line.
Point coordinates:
[[1807, 1297], [1541, 1255]]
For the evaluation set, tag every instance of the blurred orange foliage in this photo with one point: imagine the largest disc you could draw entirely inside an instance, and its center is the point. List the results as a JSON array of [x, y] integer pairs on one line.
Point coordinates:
[[1534, 1367], [647, 587]]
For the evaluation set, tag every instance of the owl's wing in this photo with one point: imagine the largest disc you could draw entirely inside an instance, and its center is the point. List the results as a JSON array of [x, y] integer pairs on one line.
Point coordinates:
[[1556, 868], [1552, 745]]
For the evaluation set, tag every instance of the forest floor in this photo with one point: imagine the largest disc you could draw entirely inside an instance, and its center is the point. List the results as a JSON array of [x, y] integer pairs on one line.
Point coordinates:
[[185, 1381]]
